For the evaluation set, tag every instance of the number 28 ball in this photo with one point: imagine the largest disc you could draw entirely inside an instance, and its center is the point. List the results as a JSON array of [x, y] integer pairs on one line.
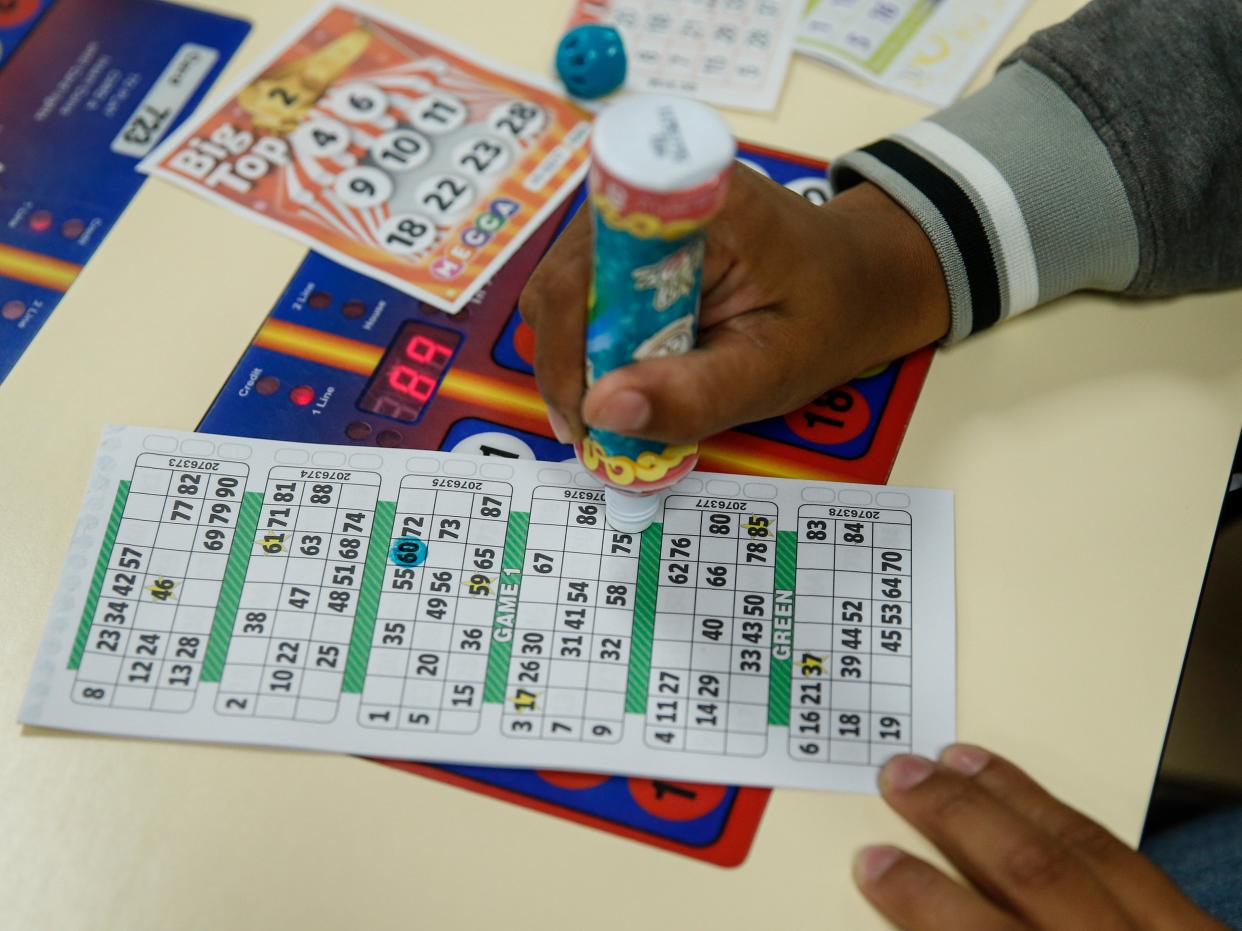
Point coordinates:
[[591, 60]]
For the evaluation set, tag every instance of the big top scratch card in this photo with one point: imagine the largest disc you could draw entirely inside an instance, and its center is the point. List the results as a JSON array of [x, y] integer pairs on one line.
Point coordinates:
[[396, 153]]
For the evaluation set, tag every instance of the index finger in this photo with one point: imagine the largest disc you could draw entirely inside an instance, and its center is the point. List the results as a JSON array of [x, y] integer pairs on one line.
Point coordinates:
[[1142, 891], [1009, 858], [915, 896], [553, 305], [714, 386]]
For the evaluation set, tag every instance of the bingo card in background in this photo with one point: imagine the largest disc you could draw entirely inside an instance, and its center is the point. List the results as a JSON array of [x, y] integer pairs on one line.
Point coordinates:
[[439, 606], [733, 53], [927, 49], [400, 155]]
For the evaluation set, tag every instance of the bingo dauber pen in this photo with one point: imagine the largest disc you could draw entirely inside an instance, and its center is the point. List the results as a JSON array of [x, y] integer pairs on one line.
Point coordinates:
[[660, 172]]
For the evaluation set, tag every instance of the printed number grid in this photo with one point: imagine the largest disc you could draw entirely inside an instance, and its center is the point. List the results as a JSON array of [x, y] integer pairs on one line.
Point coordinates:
[[149, 634], [403, 158], [857, 28], [295, 616], [429, 652], [851, 687], [711, 655], [571, 647], [696, 45]]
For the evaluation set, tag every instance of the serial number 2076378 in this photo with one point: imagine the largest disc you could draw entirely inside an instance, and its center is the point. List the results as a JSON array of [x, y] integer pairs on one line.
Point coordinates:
[[853, 512]]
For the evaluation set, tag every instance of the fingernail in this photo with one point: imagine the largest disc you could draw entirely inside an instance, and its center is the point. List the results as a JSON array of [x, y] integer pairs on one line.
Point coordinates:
[[624, 412], [560, 426], [905, 771], [966, 759], [871, 863]]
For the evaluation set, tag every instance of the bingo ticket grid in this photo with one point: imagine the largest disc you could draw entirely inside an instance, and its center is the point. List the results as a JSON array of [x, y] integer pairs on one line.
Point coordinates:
[[396, 153], [927, 49], [438, 606], [733, 53]]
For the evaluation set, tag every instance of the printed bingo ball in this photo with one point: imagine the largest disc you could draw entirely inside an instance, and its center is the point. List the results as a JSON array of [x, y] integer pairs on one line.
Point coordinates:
[[660, 171], [591, 60]]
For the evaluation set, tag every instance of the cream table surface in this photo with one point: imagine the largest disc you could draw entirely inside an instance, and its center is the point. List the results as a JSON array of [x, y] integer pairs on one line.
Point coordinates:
[[1088, 444]]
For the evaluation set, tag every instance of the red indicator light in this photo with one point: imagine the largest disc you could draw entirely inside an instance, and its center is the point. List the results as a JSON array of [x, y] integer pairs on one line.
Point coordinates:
[[40, 221], [302, 395]]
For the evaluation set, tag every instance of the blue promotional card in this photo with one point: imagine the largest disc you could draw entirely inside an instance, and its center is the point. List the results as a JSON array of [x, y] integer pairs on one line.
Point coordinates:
[[87, 88]]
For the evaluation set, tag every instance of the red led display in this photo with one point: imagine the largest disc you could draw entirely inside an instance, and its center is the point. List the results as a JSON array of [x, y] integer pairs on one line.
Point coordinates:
[[410, 372]]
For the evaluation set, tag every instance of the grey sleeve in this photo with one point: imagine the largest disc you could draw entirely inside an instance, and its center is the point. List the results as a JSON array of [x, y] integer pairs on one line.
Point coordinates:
[[1106, 153]]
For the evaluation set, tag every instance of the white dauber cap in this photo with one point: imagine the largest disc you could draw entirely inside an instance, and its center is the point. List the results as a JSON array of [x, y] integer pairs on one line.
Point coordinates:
[[628, 512], [658, 142]]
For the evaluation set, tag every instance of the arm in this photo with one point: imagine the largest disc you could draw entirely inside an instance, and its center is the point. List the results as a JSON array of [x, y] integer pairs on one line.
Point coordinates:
[[1105, 154]]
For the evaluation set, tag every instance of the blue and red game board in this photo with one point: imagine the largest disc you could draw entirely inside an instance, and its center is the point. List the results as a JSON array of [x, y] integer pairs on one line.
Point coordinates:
[[314, 372], [87, 87]]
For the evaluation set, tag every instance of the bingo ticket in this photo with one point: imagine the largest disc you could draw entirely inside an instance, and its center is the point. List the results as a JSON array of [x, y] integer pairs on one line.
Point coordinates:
[[399, 155], [926, 49], [732, 53], [445, 607]]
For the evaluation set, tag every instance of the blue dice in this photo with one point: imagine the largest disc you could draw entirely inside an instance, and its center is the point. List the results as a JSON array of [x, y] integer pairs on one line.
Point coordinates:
[[591, 60]]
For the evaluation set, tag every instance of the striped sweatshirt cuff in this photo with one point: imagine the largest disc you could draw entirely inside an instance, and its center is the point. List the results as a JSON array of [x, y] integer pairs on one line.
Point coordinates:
[[1017, 194]]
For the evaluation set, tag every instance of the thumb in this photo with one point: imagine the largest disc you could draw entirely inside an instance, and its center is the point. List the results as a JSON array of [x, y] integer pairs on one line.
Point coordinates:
[[742, 370]]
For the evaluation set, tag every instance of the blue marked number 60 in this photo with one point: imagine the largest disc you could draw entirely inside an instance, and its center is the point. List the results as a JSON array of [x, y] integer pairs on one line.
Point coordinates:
[[408, 551]]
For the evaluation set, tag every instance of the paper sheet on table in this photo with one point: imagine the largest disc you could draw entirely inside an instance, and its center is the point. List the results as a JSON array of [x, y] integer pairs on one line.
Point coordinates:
[[734, 53], [437, 606], [926, 49]]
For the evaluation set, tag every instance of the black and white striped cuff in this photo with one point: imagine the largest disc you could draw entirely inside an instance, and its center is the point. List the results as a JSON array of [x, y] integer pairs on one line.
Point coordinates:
[[1017, 194]]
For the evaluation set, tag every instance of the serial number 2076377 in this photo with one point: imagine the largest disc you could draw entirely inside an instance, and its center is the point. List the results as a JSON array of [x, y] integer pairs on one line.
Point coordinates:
[[716, 504]]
